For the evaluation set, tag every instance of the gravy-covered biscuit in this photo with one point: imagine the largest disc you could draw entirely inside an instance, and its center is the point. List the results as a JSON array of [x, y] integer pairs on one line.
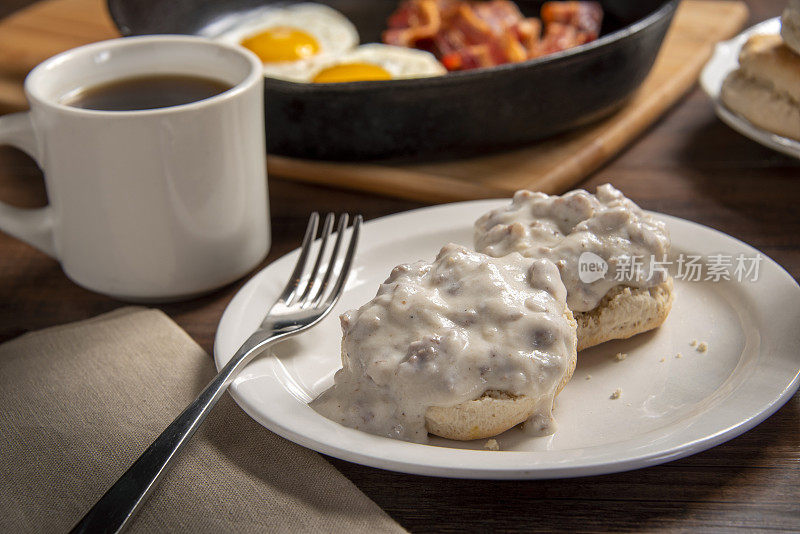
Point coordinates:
[[465, 347], [600, 243]]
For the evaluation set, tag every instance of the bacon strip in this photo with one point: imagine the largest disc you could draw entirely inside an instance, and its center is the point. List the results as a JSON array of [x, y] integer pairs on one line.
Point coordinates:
[[466, 34], [585, 17]]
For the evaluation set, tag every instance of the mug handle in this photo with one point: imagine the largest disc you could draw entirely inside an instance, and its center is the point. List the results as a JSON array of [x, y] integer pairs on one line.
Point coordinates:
[[34, 226]]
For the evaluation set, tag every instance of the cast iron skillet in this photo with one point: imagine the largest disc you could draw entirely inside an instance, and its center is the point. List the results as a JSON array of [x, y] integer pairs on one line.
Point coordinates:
[[462, 113]]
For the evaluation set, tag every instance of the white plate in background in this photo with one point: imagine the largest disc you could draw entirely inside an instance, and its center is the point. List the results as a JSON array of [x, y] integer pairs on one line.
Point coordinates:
[[668, 409], [726, 59]]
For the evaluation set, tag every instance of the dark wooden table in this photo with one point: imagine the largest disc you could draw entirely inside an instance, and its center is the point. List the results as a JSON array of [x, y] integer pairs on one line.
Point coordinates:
[[689, 165]]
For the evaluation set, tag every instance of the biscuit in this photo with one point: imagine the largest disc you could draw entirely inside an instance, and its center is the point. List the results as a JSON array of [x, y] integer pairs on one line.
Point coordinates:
[[765, 89], [790, 25], [624, 312], [494, 412]]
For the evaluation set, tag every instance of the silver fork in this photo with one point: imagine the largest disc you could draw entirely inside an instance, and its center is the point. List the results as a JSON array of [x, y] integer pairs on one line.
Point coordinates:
[[295, 310]]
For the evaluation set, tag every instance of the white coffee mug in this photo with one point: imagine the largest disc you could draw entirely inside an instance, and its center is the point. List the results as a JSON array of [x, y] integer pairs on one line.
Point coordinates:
[[154, 204]]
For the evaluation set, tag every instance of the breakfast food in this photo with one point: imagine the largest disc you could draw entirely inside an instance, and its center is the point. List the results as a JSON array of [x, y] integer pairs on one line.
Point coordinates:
[[377, 62], [292, 40], [465, 347], [624, 312], [609, 253], [790, 25], [313, 43], [471, 34], [765, 89]]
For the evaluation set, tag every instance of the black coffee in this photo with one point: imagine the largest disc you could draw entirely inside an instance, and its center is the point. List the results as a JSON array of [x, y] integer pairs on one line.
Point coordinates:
[[147, 92]]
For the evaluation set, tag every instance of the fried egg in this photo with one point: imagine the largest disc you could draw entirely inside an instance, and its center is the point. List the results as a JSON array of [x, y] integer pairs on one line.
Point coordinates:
[[377, 62], [292, 41]]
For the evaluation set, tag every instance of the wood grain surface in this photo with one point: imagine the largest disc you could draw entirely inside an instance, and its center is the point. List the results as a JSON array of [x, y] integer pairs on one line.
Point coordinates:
[[552, 166], [688, 164]]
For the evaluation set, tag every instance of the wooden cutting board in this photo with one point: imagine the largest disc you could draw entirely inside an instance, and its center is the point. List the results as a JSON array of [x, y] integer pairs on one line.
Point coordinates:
[[46, 28]]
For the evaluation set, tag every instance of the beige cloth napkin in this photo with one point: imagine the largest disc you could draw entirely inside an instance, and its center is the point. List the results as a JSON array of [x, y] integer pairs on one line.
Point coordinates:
[[80, 402]]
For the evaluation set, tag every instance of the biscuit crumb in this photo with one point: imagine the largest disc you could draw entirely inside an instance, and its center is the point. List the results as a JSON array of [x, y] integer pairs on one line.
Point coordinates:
[[588, 377], [693, 343], [491, 445], [620, 356], [679, 355], [662, 360], [702, 347], [617, 393]]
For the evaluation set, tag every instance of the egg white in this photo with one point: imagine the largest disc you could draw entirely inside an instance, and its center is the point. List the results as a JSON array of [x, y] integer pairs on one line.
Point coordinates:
[[334, 33], [398, 61]]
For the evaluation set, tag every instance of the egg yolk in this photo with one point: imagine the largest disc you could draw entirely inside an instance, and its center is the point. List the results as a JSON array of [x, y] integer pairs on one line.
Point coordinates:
[[352, 72], [282, 43]]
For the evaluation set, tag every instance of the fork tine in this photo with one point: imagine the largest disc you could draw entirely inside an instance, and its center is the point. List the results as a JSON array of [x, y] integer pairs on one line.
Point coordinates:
[[297, 274], [348, 262], [341, 227], [326, 232]]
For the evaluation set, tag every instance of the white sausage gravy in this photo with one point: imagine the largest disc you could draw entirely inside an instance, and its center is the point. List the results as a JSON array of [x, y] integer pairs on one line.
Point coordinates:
[[563, 228], [443, 333]]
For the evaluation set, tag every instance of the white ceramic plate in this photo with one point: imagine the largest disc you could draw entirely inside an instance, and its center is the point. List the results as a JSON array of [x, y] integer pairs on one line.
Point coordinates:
[[668, 409], [726, 59]]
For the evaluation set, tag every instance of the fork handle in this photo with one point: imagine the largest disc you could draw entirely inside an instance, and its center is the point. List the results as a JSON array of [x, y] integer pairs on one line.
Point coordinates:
[[119, 503]]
